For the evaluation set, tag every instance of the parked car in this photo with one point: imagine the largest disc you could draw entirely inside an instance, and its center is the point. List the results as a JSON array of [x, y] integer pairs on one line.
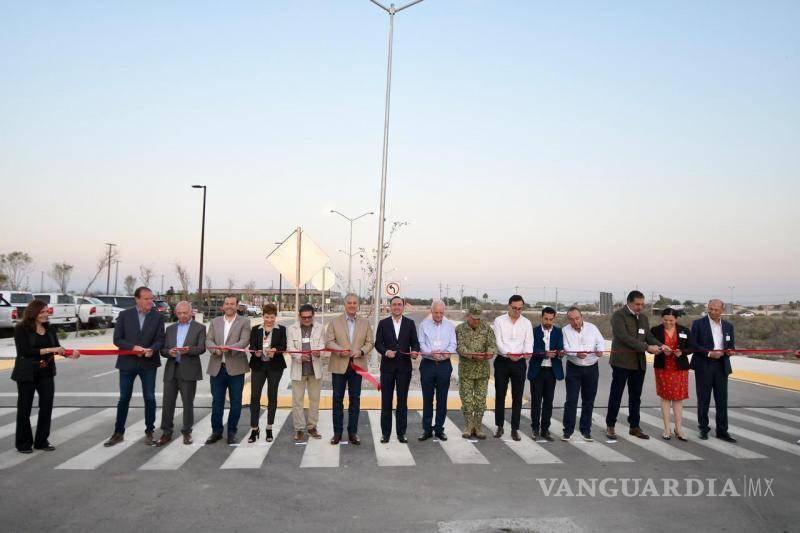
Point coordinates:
[[253, 310], [163, 308], [118, 303], [94, 312], [60, 307], [8, 314], [19, 300]]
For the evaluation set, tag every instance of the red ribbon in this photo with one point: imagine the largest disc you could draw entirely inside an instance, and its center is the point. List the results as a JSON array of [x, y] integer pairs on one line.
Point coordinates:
[[366, 375], [69, 353]]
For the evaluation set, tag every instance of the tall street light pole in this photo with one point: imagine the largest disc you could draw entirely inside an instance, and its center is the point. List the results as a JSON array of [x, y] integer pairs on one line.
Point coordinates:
[[391, 10], [108, 272], [116, 275], [350, 254], [202, 244]]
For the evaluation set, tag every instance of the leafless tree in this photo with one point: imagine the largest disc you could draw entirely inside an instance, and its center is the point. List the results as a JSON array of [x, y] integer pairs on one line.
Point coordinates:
[[146, 275], [61, 273], [130, 284], [102, 263], [15, 267], [231, 283], [369, 260], [183, 278]]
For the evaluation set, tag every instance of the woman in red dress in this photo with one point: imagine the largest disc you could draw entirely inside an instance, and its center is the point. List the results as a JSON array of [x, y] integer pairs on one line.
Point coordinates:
[[672, 370]]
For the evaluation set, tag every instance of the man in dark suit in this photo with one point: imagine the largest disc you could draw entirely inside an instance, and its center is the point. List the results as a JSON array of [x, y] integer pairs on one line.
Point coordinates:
[[396, 333], [545, 368], [713, 343], [141, 329], [185, 342]]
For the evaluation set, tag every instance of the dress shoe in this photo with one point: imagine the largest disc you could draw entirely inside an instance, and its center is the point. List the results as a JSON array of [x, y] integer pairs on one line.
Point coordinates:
[[187, 438], [424, 436], [704, 435], [441, 436], [268, 436], [384, 439], [299, 436], [586, 436], [46, 448], [535, 435], [498, 433], [638, 433], [546, 436], [213, 438], [402, 439], [354, 439], [679, 436], [566, 438], [26, 450], [148, 438], [515, 435], [336, 440], [314, 433], [611, 434], [726, 437], [164, 439], [254, 434], [116, 438], [231, 438]]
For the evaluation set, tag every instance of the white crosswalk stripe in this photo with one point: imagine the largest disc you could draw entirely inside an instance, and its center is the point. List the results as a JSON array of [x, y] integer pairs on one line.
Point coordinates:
[[319, 453], [777, 413], [596, 450], [176, 453], [98, 454], [460, 451], [657, 447], [734, 450], [252, 455], [10, 429], [795, 409], [766, 440], [527, 449], [106, 416], [774, 426], [393, 453]]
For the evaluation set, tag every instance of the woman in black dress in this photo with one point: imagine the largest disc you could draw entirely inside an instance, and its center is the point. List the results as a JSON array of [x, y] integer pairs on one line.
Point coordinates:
[[267, 365], [34, 368]]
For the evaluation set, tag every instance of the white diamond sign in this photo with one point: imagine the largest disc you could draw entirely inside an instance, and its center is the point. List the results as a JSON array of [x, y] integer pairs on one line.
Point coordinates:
[[329, 277], [312, 258]]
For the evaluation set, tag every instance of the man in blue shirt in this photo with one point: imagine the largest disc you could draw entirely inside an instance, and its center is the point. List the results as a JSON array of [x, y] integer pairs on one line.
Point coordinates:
[[437, 340]]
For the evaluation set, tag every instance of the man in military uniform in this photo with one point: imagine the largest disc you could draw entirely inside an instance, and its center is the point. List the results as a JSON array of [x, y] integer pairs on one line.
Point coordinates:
[[473, 337]]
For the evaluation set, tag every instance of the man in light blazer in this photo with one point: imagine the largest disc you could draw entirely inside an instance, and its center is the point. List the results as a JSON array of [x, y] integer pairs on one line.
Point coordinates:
[[227, 368], [353, 335], [305, 335], [185, 342]]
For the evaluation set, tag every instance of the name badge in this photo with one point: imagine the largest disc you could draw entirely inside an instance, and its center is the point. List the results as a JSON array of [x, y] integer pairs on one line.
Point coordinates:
[[307, 340], [727, 338], [682, 335], [641, 331]]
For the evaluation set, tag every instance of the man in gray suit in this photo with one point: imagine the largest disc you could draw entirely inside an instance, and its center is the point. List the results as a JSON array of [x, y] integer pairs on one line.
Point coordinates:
[[185, 342], [227, 368]]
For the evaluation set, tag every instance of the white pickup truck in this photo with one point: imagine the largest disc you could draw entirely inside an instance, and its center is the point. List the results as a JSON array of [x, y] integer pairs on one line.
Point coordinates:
[[93, 312], [8, 314], [60, 307], [19, 300], [117, 303]]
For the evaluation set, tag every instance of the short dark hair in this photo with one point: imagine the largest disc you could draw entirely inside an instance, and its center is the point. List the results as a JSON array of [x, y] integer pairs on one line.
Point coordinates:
[[548, 311], [393, 298], [574, 308], [269, 309], [305, 308], [139, 290], [635, 295], [230, 296], [515, 298], [670, 311]]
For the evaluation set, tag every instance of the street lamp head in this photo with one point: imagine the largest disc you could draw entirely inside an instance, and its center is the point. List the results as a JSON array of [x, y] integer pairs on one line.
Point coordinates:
[[198, 186]]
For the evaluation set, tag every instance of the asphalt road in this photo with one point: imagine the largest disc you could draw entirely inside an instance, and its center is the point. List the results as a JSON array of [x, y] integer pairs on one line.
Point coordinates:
[[495, 485]]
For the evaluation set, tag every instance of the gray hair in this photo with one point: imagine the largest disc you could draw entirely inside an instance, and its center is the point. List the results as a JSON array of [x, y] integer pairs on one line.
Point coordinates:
[[183, 302], [351, 295], [437, 302], [716, 301]]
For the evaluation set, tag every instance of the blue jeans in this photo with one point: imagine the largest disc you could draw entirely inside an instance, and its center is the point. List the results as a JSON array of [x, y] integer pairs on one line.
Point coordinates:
[[126, 380], [583, 380], [233, 385], [353, 382], [434, 378]]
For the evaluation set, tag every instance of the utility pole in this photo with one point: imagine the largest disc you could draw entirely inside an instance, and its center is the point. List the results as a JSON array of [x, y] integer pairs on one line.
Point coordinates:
[[108, 276], [556, 300], [41, 284], [116, 275]]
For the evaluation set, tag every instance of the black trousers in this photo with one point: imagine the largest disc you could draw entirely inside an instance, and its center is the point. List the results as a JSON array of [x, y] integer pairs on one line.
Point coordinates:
[[543, 388], [257, 379], [635, 381], [43, 385], [389, 380], [712, 379], [506, 370]]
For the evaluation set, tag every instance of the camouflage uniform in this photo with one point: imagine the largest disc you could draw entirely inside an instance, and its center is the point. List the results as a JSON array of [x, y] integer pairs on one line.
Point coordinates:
[[473, 374]]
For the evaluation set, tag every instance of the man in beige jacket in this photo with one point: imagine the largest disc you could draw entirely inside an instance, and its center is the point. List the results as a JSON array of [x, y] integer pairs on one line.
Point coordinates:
[[306, 371], [353, 336]]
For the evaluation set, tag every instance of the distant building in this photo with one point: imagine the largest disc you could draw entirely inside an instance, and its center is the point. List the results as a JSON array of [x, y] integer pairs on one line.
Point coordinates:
[[606, 303]]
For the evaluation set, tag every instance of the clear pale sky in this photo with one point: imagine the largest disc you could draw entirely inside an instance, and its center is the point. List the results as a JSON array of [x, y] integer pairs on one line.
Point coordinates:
[[585, 146]]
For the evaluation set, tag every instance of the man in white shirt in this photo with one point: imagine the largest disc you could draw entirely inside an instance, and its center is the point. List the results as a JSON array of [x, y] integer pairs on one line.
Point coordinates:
[[514, 335], [583, 344]]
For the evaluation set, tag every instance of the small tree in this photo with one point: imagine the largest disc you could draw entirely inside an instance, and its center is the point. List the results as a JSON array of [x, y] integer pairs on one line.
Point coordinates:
[[231, 283], [61, 273], [369, 261], [102, 263], [146, 275], [15, 267], [130, 284], [183, 279]]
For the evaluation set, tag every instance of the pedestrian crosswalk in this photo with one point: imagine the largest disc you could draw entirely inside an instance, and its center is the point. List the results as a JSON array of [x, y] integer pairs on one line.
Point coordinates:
[[79, 433]]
